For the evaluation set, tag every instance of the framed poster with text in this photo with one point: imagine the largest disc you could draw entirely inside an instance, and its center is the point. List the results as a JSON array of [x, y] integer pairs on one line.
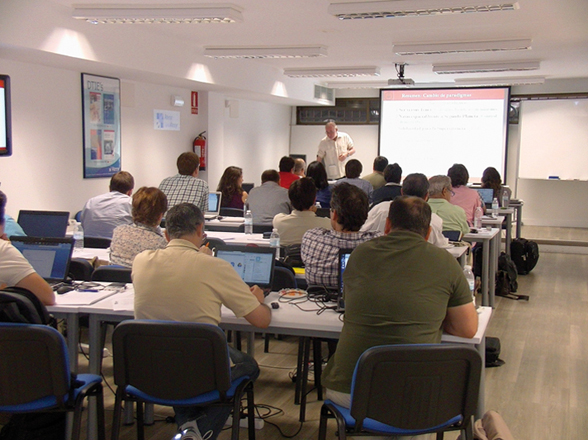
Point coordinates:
[[101, 125]]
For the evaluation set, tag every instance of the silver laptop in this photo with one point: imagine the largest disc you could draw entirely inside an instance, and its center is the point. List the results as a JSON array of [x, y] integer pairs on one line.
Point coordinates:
[[255, 265], [214, 205]]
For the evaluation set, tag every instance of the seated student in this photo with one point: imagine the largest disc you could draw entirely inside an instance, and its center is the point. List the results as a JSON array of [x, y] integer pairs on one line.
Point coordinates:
[[417, 185], [353, 170], [376, 178], [186, 186], [11, 227], [491, 179], [299, 167], [16, 271], [398, 290], [291, 227], [317, 172], [453, 216], [392, 174], [149, 205], [269, 199], [103, 213], [469, 199], [287, 175], [320, 246], [230, 186]]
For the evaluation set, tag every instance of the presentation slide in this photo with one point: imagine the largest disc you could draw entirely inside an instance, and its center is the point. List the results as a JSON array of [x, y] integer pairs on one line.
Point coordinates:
[[2, 116], [428, 130]]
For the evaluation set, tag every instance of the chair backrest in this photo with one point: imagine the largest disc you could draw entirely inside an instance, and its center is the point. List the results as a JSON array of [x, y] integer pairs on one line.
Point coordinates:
[[34, 367], [97, 242], [22, 306], [283, 278], [80, 269], [452, 235], [230, 212], [114, 274], [323, 212], [416, 386], [214, 242], [171, 360], [260, 229]]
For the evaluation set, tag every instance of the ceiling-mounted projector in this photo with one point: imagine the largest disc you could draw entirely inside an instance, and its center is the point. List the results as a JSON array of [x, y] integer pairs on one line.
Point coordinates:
[[401, 81]]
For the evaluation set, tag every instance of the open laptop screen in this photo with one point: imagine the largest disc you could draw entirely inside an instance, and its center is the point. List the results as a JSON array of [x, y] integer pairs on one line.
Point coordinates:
[[50, 257], [44, 223], [214, 201], [487, 194], [255, 265]]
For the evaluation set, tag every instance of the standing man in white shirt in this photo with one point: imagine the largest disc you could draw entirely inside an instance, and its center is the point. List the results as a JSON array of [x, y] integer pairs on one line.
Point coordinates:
[[103, 213], [335, 148]]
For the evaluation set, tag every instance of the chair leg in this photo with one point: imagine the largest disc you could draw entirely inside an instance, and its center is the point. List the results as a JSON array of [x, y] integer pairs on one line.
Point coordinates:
[[140, 423], [116, 419], [323, 423], [266, 343], [317, 358], [440, 435], [303, 378], [100, 413], [251, 411], [236, 418]]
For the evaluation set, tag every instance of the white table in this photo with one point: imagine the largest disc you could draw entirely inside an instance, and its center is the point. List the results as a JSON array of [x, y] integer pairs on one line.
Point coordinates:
[[490, 250], [239, 238]]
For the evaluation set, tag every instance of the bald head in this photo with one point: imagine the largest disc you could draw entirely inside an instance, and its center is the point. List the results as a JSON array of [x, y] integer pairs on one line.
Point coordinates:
[[409, 213]]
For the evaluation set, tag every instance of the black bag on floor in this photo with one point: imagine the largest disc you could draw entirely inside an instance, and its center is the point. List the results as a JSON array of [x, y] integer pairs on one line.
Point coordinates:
[[505, 264], [525, 254], [493, 352], [21, 306]]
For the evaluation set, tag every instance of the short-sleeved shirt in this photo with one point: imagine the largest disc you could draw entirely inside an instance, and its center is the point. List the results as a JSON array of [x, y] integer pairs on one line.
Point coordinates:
[[397, 291], [13, 266], [266, 201], [103, 213], [330, 150], [292, 227], [362, 184], [376, 179], [130, 240], [179, 283], [454, 218], [181, 189], [286, 179], [320, 251], [467, 198]]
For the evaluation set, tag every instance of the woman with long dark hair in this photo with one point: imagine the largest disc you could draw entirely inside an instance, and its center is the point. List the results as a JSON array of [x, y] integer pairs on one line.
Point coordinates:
[[230, 186], [318, 173]]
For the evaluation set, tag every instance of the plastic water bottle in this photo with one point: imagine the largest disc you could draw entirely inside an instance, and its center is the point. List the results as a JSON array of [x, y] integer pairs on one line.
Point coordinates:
[[248, 222], [467, 271], [494, 207], [478, 218], [275, 242], [505, 200], [78, 235]]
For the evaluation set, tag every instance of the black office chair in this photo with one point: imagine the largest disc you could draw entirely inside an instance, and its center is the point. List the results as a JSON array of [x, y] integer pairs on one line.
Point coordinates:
[[114, 274], [410, 390], [97, 242], [260, 229], [176, 364], [230, 212], [213, 242], [36, 377], [80, 269]]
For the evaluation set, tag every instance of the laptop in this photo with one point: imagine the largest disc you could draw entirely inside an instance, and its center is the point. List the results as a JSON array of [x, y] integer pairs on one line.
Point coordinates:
[[44, 223], [50, 257], [255, 265], [214, 205], [343, 259], [486, 194]]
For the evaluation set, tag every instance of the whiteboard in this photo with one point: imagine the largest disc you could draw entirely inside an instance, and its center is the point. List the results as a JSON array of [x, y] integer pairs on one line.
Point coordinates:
[[554, 139]]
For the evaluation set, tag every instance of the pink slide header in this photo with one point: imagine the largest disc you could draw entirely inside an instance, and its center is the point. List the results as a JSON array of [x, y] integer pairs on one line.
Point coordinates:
[[443, 95]]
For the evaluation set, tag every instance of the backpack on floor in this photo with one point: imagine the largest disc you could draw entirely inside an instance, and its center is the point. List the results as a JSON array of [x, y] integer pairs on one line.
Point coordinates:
[[493, 352], [525, 254], [21, 306]]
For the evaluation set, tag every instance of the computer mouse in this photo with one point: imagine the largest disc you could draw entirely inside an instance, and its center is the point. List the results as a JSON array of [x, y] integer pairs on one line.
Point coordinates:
[[64, 289], [275, 305]]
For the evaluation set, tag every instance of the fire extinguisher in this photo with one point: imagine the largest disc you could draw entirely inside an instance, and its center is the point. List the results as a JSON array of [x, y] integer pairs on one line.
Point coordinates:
[[200, 149]]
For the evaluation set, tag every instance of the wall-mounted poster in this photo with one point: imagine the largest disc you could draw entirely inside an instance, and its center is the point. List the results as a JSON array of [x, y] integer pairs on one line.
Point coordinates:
[[101, 119]]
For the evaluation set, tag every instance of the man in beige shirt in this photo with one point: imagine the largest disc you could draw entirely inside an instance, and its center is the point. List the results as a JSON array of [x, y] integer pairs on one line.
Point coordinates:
[[183, 282], [291, 227]]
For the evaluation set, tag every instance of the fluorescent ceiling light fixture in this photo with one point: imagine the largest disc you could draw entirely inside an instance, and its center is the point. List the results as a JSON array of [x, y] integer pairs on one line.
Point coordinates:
[[344, 72], [513, 66], [357, 85], [461, 47], [265, 51], [512, 81], [221, 13], [415, 8]]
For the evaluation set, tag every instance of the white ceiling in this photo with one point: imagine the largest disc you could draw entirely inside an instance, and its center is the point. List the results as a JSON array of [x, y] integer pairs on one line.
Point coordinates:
[[558, 29]]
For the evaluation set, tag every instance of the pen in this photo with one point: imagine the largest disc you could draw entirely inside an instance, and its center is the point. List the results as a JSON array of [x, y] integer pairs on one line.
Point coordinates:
[[88, 290]]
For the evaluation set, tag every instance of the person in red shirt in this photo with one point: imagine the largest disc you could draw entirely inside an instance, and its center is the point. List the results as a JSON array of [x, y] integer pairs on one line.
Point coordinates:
[[287, 175]]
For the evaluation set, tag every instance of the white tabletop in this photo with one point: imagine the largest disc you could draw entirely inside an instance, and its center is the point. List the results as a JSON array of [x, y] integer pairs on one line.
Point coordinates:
[[239, 238]]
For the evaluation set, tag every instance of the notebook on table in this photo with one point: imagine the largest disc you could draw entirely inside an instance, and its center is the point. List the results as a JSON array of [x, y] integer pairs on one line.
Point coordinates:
[[50, 257], [255, 265], [43, 223], [214, 205], [343, 259]]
